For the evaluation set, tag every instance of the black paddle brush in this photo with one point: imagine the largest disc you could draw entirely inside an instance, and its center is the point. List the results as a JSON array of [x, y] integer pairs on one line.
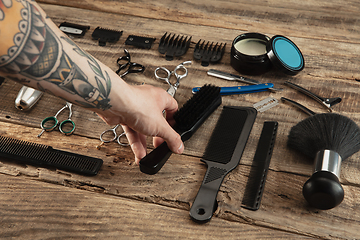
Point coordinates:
[[329, 138], [187, 120]]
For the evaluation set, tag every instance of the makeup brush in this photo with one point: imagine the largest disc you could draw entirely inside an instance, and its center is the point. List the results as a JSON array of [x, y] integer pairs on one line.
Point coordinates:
[[329, 138]]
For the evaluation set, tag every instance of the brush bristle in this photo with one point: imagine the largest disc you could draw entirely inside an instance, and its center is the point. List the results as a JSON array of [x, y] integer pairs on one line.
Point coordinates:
[[196, 106], [329, 131]]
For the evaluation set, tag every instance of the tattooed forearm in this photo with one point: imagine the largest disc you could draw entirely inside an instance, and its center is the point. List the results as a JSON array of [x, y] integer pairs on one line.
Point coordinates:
[[31, 51]]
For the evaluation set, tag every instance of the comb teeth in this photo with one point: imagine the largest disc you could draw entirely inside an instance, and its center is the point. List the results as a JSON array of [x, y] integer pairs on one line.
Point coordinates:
[[225, 135], [106, 35], [174, 45], [195, 107], [39, 154], [208, 52]]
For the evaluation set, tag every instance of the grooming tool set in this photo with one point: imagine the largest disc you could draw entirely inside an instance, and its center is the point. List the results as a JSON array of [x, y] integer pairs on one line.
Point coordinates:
[[251, 54]]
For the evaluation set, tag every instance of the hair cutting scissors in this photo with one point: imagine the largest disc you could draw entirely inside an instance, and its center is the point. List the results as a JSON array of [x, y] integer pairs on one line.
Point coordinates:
[[50, 123], [131, 67], [162, 71], [115, 138]]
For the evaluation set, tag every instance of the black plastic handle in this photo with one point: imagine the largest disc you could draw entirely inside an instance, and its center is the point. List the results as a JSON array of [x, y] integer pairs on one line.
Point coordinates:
[[323, 190], [153, 162], [205, 203]]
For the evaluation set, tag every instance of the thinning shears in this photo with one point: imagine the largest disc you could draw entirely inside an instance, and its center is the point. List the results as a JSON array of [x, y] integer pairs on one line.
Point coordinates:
[[160, 72], [124, 62], [115, 138], [50, 123]]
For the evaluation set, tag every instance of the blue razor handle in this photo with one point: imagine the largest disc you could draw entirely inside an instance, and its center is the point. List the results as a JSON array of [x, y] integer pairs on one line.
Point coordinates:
[[241, 89]]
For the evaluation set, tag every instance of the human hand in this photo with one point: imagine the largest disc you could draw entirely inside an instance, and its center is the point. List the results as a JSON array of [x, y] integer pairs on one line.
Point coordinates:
[[142, 115]]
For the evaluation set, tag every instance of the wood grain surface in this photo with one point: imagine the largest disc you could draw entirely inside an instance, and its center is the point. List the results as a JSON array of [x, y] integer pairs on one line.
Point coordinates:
[[123, 203]]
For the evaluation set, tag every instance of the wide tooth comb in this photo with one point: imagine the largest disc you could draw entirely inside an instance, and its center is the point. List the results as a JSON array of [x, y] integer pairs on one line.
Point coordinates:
[[208, 52], [173, 45]]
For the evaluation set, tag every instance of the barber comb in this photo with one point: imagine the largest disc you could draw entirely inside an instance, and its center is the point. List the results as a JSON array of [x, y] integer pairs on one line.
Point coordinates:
[[209, 52], [173, 45]]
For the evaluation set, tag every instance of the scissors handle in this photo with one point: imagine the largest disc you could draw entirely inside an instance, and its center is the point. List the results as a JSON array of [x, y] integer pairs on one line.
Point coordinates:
[[48, 128], [159, 71], [121, 143], [113, 131], [62, 124]]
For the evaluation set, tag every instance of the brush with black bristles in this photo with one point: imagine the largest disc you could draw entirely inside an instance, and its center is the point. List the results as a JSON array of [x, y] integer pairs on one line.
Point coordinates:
[[329, 138], [187, 120]]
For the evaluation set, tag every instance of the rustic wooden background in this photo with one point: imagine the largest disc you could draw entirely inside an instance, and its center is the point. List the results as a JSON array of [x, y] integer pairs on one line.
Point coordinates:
[[121, 202]]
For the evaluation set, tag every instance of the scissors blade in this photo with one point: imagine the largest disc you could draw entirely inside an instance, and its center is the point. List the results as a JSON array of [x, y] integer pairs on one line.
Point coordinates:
[[171, 90], [232, 77]]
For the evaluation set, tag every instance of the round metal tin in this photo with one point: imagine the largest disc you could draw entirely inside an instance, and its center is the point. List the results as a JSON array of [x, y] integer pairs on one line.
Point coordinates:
[[285, 55]]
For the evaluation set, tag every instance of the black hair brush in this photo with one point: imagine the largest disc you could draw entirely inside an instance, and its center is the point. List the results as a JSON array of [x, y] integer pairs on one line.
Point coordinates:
[[188, 119], [329, 138]]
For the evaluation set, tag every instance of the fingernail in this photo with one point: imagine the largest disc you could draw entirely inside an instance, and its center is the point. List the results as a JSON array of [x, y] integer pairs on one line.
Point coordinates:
[[181, 148]]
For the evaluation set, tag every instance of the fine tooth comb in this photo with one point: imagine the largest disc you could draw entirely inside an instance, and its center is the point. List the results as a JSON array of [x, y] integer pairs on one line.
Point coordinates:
[[208, 52], [106, 35], [261, 162], [222, 155], [188, 119], [38, 154], [173, 46]]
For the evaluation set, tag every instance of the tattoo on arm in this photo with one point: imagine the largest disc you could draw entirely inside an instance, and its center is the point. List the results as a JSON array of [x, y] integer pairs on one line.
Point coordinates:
[[31, 50]]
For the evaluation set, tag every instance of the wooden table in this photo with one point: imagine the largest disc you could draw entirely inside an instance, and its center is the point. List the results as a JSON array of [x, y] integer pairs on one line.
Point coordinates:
[[123, 203]]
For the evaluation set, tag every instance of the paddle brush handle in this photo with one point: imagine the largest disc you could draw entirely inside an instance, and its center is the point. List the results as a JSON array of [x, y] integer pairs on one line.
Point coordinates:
[[154, 161], [205, 203]]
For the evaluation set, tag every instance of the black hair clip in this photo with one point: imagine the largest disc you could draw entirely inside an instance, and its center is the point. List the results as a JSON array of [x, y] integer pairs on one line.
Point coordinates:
[[208, 52], [131, 67], [106, 35], [74, 29], [324, 101]]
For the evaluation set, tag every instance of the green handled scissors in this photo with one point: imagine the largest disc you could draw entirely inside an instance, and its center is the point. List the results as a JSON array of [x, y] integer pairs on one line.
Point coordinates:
[[50, 123]]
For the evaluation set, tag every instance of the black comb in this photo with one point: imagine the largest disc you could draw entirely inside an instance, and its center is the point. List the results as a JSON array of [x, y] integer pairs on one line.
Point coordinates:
[[261, 162], [173, 46], [106, 35], [221, 156], [208, 52], [188, 119], [38, 154]]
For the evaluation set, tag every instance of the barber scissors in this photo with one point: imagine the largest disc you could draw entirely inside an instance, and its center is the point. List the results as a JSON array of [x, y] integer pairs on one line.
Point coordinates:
[[131, 67], [162, 71], [115, 138], [50, 123]]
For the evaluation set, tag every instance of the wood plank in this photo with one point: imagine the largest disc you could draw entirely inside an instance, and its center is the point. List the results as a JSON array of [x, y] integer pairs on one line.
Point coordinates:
[[36, 210], [176, 185], [310, 19]]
